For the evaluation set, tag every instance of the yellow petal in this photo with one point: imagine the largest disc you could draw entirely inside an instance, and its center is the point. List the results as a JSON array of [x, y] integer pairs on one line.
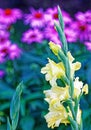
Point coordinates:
[[71, 58], [77, 66], [85, 89], [78, 85], [53, 70], [79, 116], [54, 47]]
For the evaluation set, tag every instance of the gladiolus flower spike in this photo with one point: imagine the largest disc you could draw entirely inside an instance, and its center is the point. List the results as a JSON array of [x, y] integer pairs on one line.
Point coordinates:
[[58, 95]]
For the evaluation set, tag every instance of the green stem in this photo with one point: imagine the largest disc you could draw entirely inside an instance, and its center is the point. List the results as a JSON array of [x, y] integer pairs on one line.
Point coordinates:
[[74, 124]]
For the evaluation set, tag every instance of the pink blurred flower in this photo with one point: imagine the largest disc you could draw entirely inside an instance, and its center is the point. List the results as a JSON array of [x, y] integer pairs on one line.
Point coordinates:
[[84, 17], [52, 35], [80, 16], [36, 18], [2, 73], [71, 34], [88, 45], [14, 51], [83, 25], [8, 50], [67, 18], [51, 16], [4, 36], [88, 16], [4, 51], [32, 35], [9, 16], [82, 30]]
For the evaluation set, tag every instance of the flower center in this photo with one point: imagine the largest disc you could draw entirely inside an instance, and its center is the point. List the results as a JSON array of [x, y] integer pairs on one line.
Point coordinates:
[[2, 39], [4, 50], [55, 16], [38, 15], [82, 27], [7, 11], [32, 36]]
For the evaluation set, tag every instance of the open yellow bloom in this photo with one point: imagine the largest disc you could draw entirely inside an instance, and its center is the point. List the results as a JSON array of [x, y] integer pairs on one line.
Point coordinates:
[[85, 89], [53, 70], [57, 114], [54, 47], [79, 88], [56, 92], [74, 66], [79, 116]]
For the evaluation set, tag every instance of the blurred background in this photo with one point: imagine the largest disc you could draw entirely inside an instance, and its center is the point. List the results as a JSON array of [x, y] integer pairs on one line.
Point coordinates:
[[77, 5], [26, 27]]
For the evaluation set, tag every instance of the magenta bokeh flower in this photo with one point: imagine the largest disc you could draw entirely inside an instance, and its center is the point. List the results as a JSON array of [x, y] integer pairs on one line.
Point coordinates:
[[36, 18], [71, 35], [51, 16], [83, 25], [4, 36], [88, 16], [14, 51], [80, 16], [4, 51], [52, 35], [8, 50], [67, 18], [9, 16], [88, 45], [2, 73], [32, 35], [82, 30]]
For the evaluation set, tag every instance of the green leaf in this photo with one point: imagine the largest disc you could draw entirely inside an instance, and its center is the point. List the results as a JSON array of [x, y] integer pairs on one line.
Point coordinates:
[[60, 18], [62, 38], [15, 106], [8, 124]]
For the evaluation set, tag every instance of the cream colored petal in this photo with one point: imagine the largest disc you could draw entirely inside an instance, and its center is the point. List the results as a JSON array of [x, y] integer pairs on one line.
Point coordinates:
[[54, 47], [71, 58], [85, 89], [77, 66]]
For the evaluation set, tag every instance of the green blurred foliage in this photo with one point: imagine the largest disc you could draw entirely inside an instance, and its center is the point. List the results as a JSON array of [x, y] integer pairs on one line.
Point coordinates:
[[27, 69]]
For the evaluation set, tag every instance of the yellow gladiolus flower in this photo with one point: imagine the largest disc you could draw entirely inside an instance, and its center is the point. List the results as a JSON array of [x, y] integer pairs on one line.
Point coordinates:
[[79, 116], [85, 89], [53, 70], [54, 47], [79, 88], [74, 66], [56, 92], [57, 114]]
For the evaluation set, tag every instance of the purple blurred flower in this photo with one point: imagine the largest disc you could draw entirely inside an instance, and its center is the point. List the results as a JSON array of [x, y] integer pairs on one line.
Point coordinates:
[[71, 34], [2, 73], [88, 45], [82, 30], [32, 35], [83, 25], [8, 50], [15, 51], [9, 16], [51, 16], [88, 16], [67, 19], [4, 50], [4, 36], [36, 18], [80, 16], [52, 35]]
